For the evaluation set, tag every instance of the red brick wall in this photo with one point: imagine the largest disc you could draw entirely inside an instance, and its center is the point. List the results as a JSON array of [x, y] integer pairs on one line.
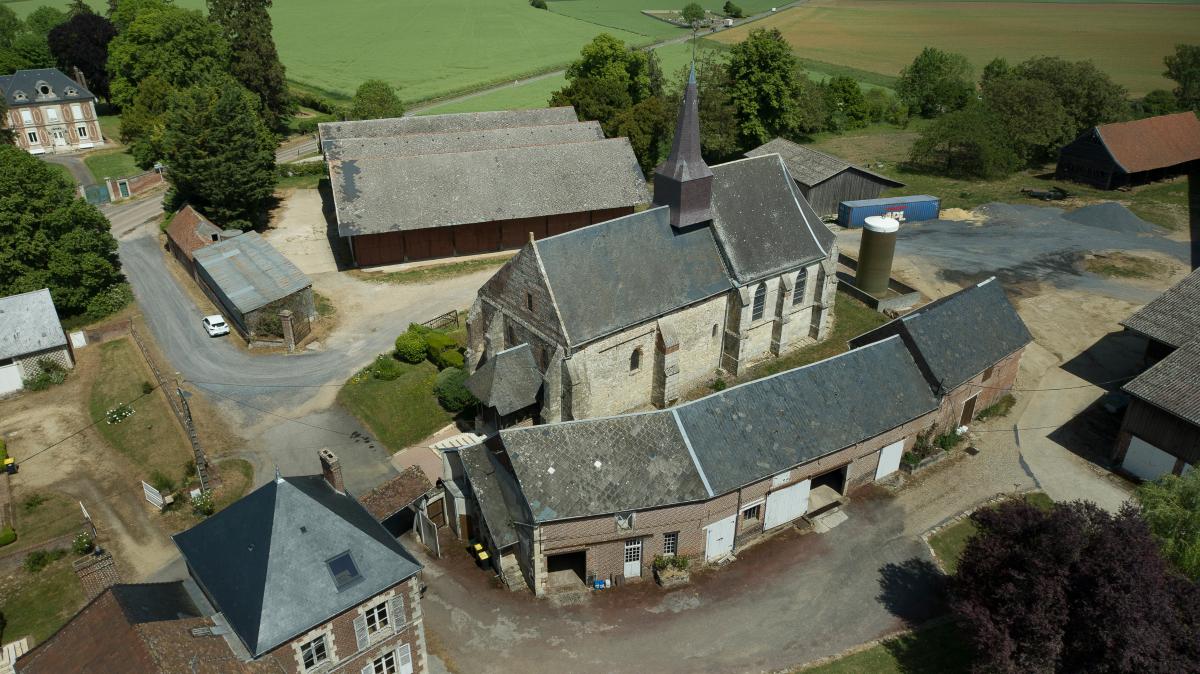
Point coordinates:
[[1004, 375]]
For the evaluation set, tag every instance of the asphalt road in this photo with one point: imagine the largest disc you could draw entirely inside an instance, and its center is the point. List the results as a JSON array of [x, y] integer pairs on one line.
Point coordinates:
[[75, 165]]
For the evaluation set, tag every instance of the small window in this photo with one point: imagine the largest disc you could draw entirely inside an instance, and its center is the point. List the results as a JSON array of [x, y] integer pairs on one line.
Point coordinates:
[[760, 302], [987, 374], [82, 131], [384, 664], [71, 92], [752, 513], [510, 336], [635, 360], [313, 653], [20, 96], [670, 543], [76, 110], [32, 136], [529, 301], [43, 88], [27, 116], [344, 571], [377, 618], [52, 114], [801, 286], [715, 328]]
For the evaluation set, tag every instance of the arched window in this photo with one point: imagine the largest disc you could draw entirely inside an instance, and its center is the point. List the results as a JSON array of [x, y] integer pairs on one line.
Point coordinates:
[[801, 287], [760, 302], [715, 327], [635, 360]]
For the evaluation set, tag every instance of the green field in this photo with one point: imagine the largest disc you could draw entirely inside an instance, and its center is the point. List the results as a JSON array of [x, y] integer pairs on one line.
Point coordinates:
[[1127, 41], [627, 14], [111, 164]]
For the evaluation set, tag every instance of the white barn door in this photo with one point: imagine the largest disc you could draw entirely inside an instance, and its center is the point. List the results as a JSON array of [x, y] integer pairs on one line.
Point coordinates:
[[1147, 461], [889, 459], [633, 558], [719, 541], [10, 378], [786, 504]]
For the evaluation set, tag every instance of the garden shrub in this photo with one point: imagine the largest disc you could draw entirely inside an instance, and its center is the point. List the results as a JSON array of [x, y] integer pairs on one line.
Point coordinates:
[[410, 347], [3, 451], [82, 544], [947, 441], [33, 501], [7, 535], [718, 385], [203, 504], [109, 302], [161, 482], [40, 559], [437, 346], [309, 124], [50, 373], [998, 409], [451, 390], [387, 368], [732, 11], [421, 330]]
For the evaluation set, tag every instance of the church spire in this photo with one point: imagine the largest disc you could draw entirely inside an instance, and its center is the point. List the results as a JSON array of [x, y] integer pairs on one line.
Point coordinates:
[[684, 181]]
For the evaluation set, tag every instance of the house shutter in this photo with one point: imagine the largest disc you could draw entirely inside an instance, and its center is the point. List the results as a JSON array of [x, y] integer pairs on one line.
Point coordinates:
[[404, 659], [369, 668], [396, 613], [360, 631]]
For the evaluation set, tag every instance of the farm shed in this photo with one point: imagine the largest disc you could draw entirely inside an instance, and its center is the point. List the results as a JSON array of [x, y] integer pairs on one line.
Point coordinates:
[[1132, 153], [29, 332], [189, 231], [418, 188], [823, 179], [252, 283]]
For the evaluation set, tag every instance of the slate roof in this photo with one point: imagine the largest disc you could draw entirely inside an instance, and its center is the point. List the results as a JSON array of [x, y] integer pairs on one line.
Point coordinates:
[[1173, 383], [763, 224], [958, 336], [1173, 317], [469, 140], [508, 381], [263, 560], [719, 443], [397, 493], [1154, 142], [26, 81], [609, 276], [463, 121], [811, 167], [250, 272], [190, 230], [485, 476], [28, 324]]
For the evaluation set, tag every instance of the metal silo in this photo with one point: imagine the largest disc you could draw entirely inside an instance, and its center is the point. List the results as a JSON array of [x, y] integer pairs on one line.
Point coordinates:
[[875, 255]]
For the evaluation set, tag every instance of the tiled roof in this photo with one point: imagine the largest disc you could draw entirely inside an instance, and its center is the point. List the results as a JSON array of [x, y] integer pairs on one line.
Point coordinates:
[[1173, 383], [28, 324], [463, 121], [250, 272], [471, 140], [1173, 317], [811, 167], [190, 231], [508, 381], [26, 82], [397, 493], [1154, 142], [485, 476]]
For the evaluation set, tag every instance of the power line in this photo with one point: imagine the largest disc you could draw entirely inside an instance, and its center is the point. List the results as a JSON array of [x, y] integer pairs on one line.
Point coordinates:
[[75, 433]]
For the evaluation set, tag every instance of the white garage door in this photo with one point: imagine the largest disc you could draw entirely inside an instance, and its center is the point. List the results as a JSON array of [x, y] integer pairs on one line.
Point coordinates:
[[10, 379], [889, 459], [785, 505], [719, 541], [1147, 461]]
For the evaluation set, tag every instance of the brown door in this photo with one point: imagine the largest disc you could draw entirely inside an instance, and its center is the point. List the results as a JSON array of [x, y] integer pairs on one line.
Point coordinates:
[[968, 411], [437, 512]]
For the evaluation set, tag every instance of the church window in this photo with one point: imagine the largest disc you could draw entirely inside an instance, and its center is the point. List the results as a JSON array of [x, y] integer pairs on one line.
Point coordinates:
[[760, 302], [635, 360], [801, 281], [529, 301]]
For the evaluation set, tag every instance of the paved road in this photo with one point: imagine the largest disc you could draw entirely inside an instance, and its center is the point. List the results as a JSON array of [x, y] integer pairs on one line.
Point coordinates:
[[74, 164]]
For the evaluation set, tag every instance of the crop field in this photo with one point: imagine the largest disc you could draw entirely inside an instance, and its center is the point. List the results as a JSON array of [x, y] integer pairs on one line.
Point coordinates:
[[1128, 41], [627, 15]]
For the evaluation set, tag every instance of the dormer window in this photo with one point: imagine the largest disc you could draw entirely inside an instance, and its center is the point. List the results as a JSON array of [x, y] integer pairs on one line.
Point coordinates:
[[344, 571], [20, 96], [71, 92], [44, 89]]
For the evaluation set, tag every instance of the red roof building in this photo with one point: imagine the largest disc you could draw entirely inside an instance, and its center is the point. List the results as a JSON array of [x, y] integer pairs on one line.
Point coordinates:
[[1130, 153]]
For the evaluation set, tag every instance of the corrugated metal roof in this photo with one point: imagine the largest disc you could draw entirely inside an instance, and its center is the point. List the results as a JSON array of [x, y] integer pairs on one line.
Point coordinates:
[[1173, 317], [250, 272], [811, 167], [1173, 383], [28, 324], [1154, 142]]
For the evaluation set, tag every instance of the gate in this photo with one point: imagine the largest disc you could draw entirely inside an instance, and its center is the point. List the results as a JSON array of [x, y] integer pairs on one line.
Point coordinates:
[[153, 496], [97, 194], [429, 535]]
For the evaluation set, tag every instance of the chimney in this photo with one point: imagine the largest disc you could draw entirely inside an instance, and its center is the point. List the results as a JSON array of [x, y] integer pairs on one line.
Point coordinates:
[[331, 470], [684, 181]]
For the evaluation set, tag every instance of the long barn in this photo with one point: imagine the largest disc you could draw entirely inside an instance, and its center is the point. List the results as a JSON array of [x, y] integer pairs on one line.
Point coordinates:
[[1132, 153], [823, 179], [417, 188]]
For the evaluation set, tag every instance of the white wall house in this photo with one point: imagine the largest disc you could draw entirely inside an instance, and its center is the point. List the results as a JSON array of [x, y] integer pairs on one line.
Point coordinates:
[[49, 112], [29, 332]]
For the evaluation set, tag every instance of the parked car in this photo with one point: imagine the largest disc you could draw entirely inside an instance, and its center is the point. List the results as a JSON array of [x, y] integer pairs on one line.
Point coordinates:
[[215, 325]]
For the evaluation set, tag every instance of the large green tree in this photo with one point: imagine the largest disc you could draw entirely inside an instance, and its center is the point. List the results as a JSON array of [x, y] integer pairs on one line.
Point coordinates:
[[123, 12], [693, 14], [764, 87], [936, 82], [1088, 95], [648, 125], [254, 61], [847, 107], [719, 137], [180, 46], [219, 152], [10, 26], [6, 136], [967, 143], [51, 238], [1030, 116], [376, 99], [1184, 67], [44, 19], [1171, 507], [143, 123], [82, 42]]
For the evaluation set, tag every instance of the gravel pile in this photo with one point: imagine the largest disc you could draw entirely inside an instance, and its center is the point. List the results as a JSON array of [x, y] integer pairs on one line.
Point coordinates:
[[1112, 216]]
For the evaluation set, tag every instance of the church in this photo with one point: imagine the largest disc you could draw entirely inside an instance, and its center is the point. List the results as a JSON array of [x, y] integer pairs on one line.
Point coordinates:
[[729, 266]]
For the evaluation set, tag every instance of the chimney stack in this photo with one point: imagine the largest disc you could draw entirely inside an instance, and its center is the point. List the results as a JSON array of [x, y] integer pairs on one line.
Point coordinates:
[[331, 470]]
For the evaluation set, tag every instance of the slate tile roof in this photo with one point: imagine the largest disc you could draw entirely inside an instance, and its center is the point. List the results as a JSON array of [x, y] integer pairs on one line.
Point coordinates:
[[811, 167], [190, 231], [463, 121], [29, 324], [958, 336], [264, 560], [470, 140], [250, 272], [26, 81], [1173, 317], [1173, 383], [716, 444], [485, 476], [508, 381], [1154, 142], [397, 493]]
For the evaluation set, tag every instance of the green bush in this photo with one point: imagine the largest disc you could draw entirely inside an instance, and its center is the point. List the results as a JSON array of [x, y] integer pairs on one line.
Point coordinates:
[[7, 535], [680, 562], [910, 459], [947, 441], [661, 563], [451, 390], [33, 501], [203, 504], [718, 385], [732, 11], [82, 544], [314, 101], [437, 347], [307, 168], [147, 387], [50, 373], [309, 124], [540, 4], [161, 482], [40, 559], [386, 368], [109, 302], [998, 409], [410, 347]]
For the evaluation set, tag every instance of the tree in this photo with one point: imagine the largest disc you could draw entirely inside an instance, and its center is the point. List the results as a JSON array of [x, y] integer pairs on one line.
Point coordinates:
[[123, 12], [847, 108], [43, 20], [50, 238], [1157, 102], [1030, 116], [143, 124], [967, 143], [1073, 589], [996, 69], [32, 51], [6, 136], [254, 61], [10, 26], [936, 82], [719, 138], [1171, 508], [693, 14], [82, 42], [649, 126], [220, 153], [376, 99], [605, 58], [764, 87], [1184, 67], [1088, 96], [731, 10], [180, 46], [598, 99]]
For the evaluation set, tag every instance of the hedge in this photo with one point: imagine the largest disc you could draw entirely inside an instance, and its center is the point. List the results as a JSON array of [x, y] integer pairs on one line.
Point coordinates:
[[410, 347], [451, 390]]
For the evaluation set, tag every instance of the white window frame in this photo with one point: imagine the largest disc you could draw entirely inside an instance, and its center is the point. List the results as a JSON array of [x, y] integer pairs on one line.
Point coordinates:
[[378, 617], [81, 131], [381, 664], [52, 113], [758, 306], [756, 506], [27, 117], [32, 136], [670, 544], [309, 649], [633, 550], [801, 287], [76, 111]]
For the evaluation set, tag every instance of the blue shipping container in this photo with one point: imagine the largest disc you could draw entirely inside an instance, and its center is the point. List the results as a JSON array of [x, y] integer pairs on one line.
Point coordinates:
[[914, 208]]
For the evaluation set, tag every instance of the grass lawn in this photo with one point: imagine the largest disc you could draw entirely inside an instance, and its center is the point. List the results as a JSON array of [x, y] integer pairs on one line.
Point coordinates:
[[150, 437], [1127, 41], [110, 126], [37, 604], [950, 542], [433, 272], [1122, 265], [627, 14], [111, 164], [52, 515], [398, 412], [938, 649]]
